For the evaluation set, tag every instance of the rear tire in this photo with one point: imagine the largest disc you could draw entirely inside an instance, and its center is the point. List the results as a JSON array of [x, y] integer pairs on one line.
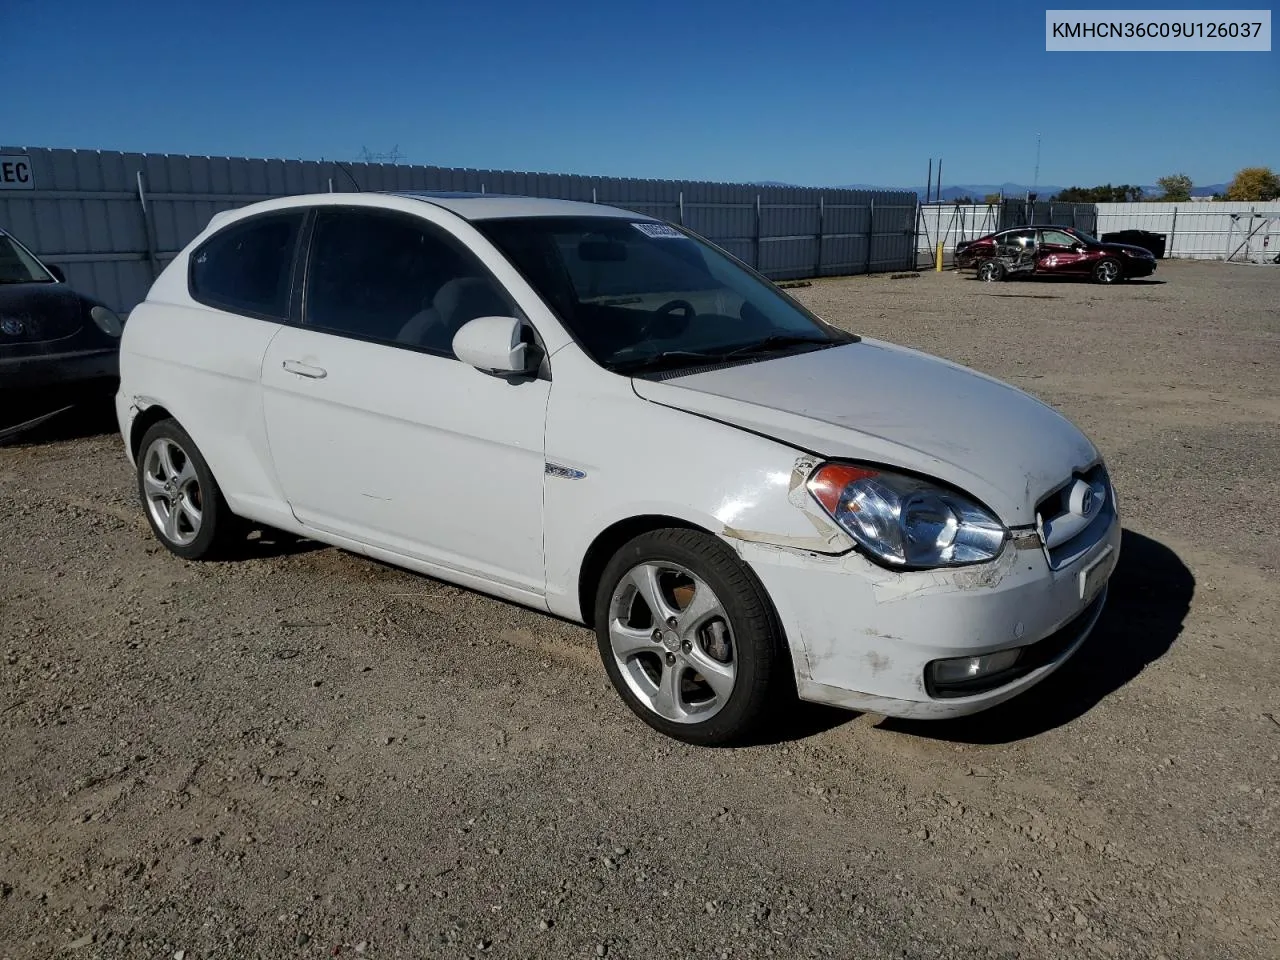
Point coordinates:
[[1108, 271], [180, 497], [689, 638], [991, 271]]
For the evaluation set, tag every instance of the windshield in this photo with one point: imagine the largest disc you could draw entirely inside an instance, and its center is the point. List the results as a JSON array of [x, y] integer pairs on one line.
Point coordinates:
[[18, 266], [644, 296], [1084, 236]]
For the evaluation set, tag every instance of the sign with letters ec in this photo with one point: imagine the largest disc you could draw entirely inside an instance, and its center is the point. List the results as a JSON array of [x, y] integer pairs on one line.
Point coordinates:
[[15, 172]]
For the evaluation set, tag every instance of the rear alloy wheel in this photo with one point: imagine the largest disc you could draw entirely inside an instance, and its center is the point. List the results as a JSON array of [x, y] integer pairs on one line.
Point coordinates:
[[1107, 271], [183, 503], [990, 271], [688, 637]]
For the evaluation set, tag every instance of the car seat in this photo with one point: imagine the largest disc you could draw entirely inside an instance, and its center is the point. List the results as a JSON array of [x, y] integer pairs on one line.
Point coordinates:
[[457, 302]]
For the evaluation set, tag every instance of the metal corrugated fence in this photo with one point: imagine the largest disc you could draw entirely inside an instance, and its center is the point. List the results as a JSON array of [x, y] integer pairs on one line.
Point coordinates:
[[112, 220], [1200, 230]]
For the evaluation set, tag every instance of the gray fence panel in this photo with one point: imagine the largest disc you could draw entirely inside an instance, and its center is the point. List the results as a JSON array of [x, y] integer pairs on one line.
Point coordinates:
[[86, 213]]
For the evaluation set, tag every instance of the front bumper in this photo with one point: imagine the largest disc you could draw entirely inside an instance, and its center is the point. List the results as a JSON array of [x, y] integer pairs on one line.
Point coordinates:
[[862, 636], [49, 371], [1139, 267]]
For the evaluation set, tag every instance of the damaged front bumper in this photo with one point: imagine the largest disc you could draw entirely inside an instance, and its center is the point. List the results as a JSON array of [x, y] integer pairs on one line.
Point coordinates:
[[862, 637]]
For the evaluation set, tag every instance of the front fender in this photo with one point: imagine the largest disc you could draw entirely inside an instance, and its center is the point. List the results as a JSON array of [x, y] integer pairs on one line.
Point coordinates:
[[615, 456]]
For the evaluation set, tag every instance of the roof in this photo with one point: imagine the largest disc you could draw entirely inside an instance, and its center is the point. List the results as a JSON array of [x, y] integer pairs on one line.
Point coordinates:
[[493, 206], [1037, 226]]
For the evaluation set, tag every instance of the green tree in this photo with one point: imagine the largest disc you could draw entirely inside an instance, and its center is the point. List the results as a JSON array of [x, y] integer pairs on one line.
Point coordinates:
[[1176, 187], [1105, 193], [991, 198], [1254, 183]]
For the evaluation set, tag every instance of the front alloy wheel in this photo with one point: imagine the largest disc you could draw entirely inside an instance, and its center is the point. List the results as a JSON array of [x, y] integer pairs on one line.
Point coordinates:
[[671, 639], [1107, 271], [689, 638]]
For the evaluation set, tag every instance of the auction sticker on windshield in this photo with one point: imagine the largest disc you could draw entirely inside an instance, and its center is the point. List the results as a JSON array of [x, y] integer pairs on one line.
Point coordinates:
[[660, 230]]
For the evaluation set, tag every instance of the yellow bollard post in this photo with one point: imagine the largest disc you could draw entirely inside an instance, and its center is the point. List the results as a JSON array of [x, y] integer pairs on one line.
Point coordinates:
[[939, 259]]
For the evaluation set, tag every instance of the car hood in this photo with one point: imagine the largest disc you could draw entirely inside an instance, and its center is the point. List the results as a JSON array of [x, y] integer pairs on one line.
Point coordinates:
[[39, 312], [1125, 248], [877, 402]]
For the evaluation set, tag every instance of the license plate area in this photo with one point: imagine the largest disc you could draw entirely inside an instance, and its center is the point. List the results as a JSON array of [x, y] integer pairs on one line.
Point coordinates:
[[1094, 576]]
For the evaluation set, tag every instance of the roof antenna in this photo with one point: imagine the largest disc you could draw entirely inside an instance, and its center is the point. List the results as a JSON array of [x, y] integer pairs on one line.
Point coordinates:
[[343, 167]]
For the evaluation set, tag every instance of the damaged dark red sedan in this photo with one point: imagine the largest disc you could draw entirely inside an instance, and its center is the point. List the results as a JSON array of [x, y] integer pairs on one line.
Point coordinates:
[[1052, 251]]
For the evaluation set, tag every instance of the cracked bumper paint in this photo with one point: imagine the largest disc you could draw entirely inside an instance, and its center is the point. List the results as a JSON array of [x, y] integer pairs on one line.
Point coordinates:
[[862, 635]]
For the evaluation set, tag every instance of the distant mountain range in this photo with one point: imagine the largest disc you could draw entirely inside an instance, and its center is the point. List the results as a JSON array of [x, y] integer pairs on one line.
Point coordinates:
[[1012, 190], [1044, 192]]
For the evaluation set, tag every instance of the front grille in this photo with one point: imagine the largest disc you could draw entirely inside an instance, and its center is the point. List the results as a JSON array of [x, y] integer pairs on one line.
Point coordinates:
[[1054, 516]]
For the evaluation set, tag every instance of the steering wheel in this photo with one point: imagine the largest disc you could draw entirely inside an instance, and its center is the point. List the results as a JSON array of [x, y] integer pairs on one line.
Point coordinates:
[[659, 324], [684, 305]]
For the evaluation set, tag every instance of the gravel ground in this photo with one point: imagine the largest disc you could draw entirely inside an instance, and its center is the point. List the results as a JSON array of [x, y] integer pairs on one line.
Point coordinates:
[[305, 753]]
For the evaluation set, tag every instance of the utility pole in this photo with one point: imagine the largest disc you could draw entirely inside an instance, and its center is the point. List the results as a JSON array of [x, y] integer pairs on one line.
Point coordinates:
[[1035, 180]]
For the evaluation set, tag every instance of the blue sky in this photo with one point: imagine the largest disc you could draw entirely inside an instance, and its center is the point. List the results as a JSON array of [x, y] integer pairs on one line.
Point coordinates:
[[811, 93]]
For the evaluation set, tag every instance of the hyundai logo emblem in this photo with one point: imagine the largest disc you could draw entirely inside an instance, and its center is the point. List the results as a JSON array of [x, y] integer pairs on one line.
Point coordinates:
[[1084, 500]]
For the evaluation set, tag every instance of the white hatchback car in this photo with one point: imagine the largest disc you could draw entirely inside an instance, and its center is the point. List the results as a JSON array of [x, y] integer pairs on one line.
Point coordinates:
[[602, 416]]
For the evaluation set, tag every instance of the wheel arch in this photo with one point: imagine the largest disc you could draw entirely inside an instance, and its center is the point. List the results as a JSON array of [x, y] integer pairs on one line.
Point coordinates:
[[608, 542], [144, 421], [612, 538]]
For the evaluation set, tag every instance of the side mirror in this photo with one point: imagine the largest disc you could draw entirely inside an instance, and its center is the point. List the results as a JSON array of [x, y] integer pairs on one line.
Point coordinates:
[[495, 345], [57, 272], [1078, 247]]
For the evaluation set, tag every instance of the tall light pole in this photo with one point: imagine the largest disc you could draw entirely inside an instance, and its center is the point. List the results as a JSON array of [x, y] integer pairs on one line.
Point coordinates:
[[1035, 180]]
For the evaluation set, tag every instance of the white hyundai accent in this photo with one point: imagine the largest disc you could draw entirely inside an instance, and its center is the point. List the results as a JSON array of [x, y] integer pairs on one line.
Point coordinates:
[[605, 417]]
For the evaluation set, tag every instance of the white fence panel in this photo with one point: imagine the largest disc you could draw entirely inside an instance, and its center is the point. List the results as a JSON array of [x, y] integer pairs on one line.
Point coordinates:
[[113, 220], [1198, 230]]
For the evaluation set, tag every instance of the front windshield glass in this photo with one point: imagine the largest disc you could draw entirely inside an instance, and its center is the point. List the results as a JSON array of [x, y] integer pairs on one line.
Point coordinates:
[[644, 296], [1084, 236], [18, 266]]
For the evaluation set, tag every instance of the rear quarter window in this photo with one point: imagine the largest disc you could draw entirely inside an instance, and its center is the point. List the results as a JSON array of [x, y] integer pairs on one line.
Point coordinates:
[[247, 267]]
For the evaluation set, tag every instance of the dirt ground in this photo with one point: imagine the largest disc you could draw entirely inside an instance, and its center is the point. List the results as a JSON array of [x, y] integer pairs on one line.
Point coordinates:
[[305, 753]]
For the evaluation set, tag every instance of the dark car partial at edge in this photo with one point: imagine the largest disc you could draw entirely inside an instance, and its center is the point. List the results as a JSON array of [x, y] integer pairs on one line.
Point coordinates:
[[57, 347], [1040, 251]]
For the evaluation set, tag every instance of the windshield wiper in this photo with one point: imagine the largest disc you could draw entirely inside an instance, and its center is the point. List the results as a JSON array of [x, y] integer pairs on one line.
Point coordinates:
[[667, 360], [777, 341]]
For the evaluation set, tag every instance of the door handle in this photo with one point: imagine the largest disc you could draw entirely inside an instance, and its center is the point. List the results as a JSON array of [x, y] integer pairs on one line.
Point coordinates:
[[305, 369]]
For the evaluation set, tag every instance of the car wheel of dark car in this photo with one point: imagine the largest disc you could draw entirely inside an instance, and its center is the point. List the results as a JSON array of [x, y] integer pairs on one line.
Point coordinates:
[[184, 504], [990, 271], [1108, 271]]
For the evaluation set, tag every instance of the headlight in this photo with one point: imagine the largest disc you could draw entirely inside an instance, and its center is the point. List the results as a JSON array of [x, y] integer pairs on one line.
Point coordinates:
[[107, 320], [905, 521], [1141, 254]]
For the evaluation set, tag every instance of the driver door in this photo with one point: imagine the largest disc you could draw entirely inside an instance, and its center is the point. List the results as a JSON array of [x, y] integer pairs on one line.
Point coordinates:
[[1058, 254]]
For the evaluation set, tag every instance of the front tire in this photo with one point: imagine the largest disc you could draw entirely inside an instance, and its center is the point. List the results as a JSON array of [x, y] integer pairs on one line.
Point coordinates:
[[1108, 271], [688, 637], [180, 497]]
